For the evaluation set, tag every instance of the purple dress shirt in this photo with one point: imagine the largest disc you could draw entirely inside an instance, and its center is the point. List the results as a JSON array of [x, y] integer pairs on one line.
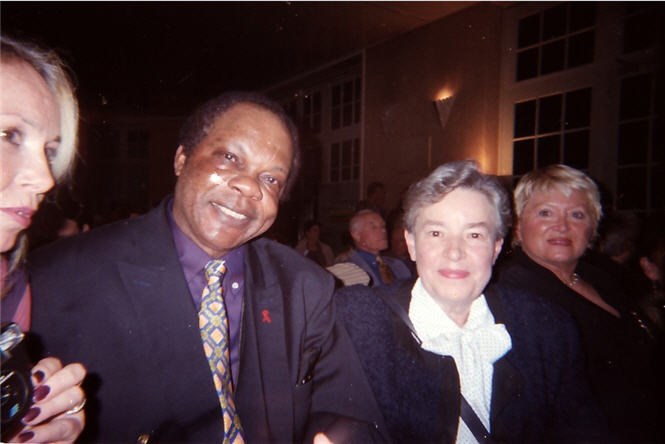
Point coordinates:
[[193, 261]]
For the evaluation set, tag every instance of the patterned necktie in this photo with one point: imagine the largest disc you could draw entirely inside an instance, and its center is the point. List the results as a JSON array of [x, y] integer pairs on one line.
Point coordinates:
[[387, 275], [214, 326]]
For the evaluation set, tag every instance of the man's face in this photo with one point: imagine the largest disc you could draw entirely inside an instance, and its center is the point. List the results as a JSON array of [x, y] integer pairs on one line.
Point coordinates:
[[229, 186], [370, 234]]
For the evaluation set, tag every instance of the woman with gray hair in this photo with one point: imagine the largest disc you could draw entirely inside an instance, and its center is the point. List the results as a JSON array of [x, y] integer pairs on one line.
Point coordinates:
[[38, 125], [557, 214], [450, 360]]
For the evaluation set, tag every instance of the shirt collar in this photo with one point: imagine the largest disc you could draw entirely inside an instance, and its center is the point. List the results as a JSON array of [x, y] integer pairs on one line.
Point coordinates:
[[430, 321], [192, 257]]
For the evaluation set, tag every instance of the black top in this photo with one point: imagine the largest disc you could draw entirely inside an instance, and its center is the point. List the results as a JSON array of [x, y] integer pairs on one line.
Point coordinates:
[[616, 349]]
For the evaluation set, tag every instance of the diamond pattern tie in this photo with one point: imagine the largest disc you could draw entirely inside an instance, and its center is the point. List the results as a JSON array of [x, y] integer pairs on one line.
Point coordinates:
[[214, 326], [386, 273]]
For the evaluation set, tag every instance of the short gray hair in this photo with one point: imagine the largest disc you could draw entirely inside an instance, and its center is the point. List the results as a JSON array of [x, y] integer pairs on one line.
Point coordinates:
[[451, 176], [356, 218]]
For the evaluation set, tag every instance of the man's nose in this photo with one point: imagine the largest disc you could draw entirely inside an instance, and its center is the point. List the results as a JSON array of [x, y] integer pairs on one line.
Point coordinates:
[[247, 186]]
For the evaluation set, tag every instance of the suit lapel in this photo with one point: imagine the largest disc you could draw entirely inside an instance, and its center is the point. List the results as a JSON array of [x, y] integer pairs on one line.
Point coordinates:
[[264, 383], [165, 321]]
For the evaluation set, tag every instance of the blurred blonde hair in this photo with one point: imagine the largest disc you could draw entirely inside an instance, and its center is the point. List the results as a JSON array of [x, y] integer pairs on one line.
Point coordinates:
[[54, 72]]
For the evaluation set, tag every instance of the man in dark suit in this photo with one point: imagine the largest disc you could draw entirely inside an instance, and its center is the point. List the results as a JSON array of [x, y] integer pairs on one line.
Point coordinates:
[[124, 300]]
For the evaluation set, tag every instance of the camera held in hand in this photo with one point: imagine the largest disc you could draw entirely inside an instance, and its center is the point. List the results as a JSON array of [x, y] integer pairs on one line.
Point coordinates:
[[16, 384]]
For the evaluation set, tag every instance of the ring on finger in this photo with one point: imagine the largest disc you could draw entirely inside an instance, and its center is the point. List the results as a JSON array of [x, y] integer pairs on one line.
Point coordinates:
[[77, 408]]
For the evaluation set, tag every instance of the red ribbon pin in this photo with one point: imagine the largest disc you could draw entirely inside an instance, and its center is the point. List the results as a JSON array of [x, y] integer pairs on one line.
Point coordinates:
[[266, 316]]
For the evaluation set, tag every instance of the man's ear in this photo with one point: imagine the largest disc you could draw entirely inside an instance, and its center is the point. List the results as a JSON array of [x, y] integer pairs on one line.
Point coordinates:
[[179, 160]]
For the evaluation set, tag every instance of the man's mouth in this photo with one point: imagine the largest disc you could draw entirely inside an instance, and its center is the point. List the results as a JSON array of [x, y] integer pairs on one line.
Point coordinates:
[[229, 212]]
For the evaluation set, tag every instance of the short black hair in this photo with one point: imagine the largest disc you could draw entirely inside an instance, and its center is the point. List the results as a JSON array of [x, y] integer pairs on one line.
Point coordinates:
[[198, 124]]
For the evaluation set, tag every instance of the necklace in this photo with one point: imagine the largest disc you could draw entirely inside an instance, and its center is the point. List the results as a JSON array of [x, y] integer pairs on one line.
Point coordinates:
[[574, 280]]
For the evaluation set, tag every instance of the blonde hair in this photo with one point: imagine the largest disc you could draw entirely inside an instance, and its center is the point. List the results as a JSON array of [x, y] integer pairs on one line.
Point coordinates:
[[54, 72], [561, 178]]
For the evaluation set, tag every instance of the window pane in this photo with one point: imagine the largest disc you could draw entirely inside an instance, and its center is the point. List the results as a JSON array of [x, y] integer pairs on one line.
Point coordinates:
[[334, 155], [356, 151], [635, 95], [528, 31], [335, 117], [357, 89], [633, 142], [348, 114], [576, 149], [631, 188], [580, 49], [527, 64], [336, 95], [525, 119], [658, 151], [578, 109], [548, 151], [348, 92], [582, 15], [658, 187], [523, 158], [554, 22], [550, 114], [641, 31], [346, 153], [553, 57]]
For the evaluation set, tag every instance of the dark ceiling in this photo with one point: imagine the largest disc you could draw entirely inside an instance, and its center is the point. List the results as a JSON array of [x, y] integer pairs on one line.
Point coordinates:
[[168, 56]]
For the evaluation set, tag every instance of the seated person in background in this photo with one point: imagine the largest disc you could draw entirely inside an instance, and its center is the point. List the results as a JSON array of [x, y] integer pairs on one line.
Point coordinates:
[[198, 329], [398, 248], [557, 210], [452, 361], [376, 198], [368, 231], [311, 246]]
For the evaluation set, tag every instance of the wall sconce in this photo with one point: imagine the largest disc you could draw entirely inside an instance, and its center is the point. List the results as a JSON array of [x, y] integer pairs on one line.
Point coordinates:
[[443, 107]]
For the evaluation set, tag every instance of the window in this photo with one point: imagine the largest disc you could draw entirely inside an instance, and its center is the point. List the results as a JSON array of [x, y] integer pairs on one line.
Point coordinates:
[[345, 104], [640, 148], [552, 129], [312, 112], [345, 160], [557, 38]]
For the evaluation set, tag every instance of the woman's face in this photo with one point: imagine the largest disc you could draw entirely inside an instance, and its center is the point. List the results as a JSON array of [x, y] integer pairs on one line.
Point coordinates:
[[454, 245], [29, 137], [554, 230]]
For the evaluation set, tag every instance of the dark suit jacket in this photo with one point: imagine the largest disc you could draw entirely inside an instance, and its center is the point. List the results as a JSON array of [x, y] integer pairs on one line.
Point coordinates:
[[399, 269], [116, 300], [539, 392]]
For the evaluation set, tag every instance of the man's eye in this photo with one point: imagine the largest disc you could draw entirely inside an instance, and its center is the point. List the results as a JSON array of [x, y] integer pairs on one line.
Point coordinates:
[[230, 157], [579, 215], [475, 235], [435, 233], [11, 135], [544, 213]]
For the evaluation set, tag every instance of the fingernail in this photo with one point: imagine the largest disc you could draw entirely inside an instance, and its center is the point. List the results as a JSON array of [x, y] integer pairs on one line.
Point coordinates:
[[32, 414], [41, 392], [25, 436], [39, 376]]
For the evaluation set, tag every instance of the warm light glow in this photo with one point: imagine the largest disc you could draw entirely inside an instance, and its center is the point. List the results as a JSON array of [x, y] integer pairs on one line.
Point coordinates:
[[444, 93]]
